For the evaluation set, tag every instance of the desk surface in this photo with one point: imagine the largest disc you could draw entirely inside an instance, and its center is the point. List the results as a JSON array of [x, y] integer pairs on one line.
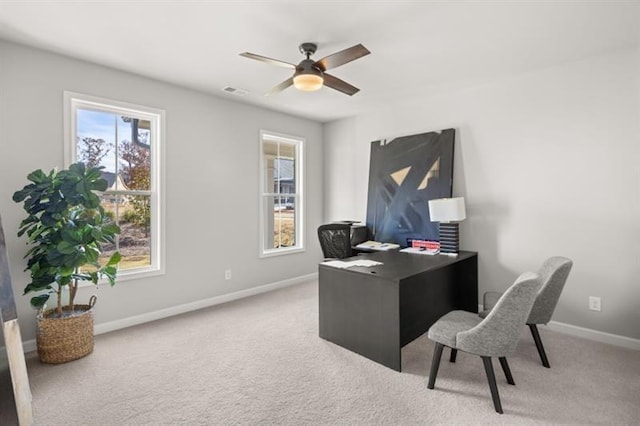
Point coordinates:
[[399, 265]]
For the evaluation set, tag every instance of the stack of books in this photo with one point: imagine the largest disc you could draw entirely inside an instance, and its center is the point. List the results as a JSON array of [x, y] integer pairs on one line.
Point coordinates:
[[423, 247]]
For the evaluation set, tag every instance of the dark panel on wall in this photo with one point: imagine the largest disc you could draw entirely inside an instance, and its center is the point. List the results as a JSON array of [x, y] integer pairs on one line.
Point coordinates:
[[8, 412], [7, 303], [404, 174]]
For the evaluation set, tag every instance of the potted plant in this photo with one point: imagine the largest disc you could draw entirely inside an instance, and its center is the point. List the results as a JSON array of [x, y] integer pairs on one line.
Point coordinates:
[[65, 227]]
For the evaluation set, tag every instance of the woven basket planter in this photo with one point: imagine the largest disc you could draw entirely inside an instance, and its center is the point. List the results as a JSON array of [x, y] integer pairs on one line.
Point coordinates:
[[64, 339]]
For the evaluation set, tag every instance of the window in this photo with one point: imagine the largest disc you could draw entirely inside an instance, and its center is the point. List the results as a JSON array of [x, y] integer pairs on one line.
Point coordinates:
[[126, 140], [281, 202]]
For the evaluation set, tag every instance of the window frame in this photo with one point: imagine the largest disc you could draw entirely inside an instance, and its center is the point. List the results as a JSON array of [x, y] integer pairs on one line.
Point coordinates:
[[74, 101], [299, 144]]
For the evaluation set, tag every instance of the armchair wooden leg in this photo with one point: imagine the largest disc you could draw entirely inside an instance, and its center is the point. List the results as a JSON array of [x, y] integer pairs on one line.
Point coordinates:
[[452, 357], [491, 377], [435, 363], [507, 370], [536, 338]]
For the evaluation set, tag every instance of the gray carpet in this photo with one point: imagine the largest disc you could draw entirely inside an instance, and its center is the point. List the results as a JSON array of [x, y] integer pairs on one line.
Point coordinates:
[[260, 361]]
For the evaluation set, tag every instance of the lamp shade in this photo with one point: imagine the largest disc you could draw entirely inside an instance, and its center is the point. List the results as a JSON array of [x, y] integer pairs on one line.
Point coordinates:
[[447, 209], [308, 82]]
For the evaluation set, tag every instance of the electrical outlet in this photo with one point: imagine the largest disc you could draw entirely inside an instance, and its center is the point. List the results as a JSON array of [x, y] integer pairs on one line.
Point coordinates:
[[227, 274], [595, 303]]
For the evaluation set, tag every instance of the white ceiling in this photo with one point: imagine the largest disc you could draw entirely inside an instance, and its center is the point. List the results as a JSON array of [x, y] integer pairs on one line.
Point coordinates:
[[418, 48]]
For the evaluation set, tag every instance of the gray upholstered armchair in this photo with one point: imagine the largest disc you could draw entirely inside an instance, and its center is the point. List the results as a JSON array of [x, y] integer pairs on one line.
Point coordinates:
[[553, 273], [496, 335]]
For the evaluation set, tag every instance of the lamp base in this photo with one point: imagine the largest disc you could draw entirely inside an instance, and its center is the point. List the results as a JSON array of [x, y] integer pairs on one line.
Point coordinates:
[[449, 238]]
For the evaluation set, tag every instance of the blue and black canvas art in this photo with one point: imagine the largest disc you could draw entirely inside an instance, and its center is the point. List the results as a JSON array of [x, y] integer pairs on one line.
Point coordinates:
[[404, 174]]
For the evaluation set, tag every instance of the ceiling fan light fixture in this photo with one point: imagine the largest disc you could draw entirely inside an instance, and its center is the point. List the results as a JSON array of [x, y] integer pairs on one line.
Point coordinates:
[[308, 82], [311, 75]]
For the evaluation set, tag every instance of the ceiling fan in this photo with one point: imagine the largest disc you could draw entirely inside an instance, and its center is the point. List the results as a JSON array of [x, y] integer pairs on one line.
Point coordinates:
[[310, 75]]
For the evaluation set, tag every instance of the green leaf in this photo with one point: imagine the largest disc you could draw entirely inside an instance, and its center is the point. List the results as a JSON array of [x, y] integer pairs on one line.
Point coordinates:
[[64, 280], [91, 254], [29, 220], [39, 301], [81, 188], [110, 272], [43, 277], [66, 271], [96, 233], [93, 201], [72, 235], [31, 287], [66, 247], [19, 196], [55, 257], [75, 259], [77, 169], [94, 173], [111, 229], [114, 259], [100, 185], [37, 176]]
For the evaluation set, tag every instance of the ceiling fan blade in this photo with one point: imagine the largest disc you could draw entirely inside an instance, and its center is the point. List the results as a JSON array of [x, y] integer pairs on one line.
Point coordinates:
[[268, 60], [280, 87], [339, 85], [342, 57]]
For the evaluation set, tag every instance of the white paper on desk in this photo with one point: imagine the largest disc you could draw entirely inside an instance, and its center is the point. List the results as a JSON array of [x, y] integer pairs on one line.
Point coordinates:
[[417, 250], [375, 245], [343, 264]]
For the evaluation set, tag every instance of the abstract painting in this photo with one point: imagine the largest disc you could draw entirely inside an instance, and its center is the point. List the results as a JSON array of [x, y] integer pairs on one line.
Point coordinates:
[[404, 174]]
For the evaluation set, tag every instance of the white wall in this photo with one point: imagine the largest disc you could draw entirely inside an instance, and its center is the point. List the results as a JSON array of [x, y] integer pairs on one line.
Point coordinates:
[[212, 148], [549, 164]]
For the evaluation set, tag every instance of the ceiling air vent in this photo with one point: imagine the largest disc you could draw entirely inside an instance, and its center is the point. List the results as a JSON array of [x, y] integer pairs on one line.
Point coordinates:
[[234, 91]]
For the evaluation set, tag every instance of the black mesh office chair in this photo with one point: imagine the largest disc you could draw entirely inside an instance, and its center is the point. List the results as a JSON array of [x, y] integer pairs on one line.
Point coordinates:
[[335, 240]]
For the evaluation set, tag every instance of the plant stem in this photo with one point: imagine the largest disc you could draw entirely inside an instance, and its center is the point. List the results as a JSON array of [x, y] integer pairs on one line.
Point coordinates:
[[59, 308], [73, 288]]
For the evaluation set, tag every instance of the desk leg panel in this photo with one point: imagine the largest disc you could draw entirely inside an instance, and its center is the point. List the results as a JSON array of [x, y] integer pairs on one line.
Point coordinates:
[[425, 297], [465, 277], [360, 312]]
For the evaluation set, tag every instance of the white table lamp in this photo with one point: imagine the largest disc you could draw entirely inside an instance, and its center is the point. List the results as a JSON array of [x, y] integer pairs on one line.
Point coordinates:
[[448, 211]]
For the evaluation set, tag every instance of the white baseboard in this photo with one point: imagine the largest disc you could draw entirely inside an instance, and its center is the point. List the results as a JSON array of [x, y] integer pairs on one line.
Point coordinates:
[[587, 333], [598, 336], [30, 345], [573, 330]]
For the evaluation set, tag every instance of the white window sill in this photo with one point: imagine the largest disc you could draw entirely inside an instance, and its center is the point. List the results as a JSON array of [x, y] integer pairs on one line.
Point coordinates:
[[282, 251], [125, 276]]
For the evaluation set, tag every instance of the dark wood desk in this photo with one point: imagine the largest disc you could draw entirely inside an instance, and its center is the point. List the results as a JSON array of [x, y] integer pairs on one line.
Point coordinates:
[[375, 311]]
